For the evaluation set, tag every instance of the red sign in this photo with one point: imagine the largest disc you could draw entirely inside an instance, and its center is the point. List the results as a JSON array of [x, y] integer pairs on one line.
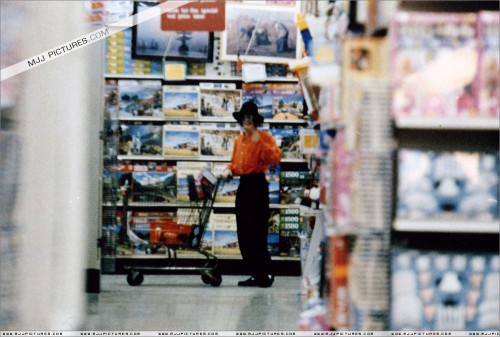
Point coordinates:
[[200, 15]]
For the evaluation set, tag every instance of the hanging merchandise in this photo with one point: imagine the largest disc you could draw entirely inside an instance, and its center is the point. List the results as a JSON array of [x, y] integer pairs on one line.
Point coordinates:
[[337, 20], [314, 234], [326, 50], [325, 64], [304, 32]]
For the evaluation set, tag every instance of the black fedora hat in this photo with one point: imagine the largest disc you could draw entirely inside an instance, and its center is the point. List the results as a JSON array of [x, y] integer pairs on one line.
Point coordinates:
[[249, 109]]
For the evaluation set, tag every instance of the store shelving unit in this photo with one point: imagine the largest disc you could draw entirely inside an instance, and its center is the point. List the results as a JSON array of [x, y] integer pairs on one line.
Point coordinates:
[[110, 208], [113, 158], [449, 245]]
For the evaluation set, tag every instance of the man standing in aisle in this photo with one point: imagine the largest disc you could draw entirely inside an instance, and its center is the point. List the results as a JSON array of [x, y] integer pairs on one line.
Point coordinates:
[[253, 152]]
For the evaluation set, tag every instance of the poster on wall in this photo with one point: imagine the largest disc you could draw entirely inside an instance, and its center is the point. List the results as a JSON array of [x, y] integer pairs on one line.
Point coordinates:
[[256, 34], [150, 41]]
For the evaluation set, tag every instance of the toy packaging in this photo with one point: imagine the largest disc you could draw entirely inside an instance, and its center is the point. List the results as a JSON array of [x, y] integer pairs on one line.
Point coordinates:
[[444, 291], [434, 64], [488, 78], [447, 185]]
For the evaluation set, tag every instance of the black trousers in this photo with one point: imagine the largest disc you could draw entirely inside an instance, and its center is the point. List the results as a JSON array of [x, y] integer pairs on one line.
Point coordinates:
[[252, 218]]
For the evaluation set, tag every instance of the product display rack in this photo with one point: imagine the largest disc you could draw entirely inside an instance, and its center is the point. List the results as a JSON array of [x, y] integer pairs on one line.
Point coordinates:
[[111, 239], [363, 289], [446, 237], [365, 258]]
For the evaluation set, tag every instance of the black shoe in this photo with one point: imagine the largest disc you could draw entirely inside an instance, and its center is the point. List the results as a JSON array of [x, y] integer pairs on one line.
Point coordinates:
[[251, 282], [267, 282]]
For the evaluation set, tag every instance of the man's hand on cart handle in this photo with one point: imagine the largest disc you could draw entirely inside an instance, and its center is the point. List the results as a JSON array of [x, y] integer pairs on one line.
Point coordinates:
[[227, 174]]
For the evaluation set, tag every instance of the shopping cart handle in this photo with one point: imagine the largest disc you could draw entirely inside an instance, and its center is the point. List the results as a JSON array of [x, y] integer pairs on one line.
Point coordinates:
[[225, 179]]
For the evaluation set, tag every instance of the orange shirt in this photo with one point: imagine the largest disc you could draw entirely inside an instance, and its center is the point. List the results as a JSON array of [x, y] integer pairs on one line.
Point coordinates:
[[249, 157]]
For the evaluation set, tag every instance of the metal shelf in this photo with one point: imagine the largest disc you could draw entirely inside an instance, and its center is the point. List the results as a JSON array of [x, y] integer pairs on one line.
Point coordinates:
[[183, 205], [450, 123], [456, 226], [173, 158], [191, 255], [192, 158], [197, 78], [205, 120]]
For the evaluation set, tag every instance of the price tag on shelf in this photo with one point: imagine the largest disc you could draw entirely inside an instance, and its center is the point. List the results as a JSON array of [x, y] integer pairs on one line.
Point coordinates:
[[253, 72], [174, 71]]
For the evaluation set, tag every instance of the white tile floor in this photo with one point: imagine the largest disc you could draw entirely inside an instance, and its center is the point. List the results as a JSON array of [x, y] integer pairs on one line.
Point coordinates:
[[183, 302]]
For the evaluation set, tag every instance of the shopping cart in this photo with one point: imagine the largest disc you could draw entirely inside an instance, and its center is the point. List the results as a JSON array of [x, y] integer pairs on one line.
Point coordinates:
[[184, 232]]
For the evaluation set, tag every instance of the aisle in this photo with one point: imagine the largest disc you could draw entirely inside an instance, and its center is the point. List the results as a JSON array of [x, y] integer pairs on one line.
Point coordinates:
[[183, 302]]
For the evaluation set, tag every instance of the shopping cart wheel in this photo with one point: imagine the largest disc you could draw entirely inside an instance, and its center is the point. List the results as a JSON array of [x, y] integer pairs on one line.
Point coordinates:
[[206, 278], [135, 278], [216, 281]]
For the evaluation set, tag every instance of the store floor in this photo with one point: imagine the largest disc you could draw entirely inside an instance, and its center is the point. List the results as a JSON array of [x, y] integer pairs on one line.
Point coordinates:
[[183, 302]]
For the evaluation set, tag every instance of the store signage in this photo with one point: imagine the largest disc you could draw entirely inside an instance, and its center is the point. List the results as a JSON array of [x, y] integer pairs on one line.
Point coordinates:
[[201, 15]]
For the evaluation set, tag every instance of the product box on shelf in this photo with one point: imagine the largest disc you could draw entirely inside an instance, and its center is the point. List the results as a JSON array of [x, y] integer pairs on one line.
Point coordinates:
[[122, 176], [434, 290], [227, 189], [140, 139], [154, 184], [110, 188], [291, 220], [140, 98], [290, 225], [119, 58], [295, 184], [488, 79], [447, 186], [289, 244], [195, 69], [184, 169], [226, 242], [111, 105], [273, 236], [217, 139], [434, 60], [181, 100], [273, 244], [288, 140], [181, 140], [219, 102], [273, 178], [223, 221], [288, 101], [260, 94]]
